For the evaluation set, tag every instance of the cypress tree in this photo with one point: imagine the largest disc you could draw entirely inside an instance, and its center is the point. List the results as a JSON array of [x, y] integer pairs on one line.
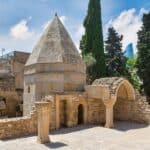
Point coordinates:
[[115, 59], [143, 60], [92, 40]]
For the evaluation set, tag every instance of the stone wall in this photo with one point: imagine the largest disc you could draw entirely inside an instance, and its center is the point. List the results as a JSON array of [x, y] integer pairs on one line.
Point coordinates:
[[11, 101], [132, 110], [7, 83], [93, 113], [141, 109], [96, 111], [93, 110], [17, 127]]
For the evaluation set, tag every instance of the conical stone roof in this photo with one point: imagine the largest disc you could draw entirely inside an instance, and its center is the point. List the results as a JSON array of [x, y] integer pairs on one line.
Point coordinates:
[[55, 46]]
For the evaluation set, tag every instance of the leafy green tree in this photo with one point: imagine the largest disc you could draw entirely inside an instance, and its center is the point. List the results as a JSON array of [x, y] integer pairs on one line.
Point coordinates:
[[115, 59], [89, 61], [92, 40], [143, 60], [132, 69]]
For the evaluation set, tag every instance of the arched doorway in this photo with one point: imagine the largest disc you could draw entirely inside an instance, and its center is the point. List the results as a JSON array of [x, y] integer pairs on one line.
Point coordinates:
[[123, 106], [118, 96], [80, 114], [63, 113]]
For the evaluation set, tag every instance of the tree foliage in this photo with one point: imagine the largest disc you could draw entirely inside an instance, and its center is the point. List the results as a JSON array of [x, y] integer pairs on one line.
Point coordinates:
[[89, 61], [115, 59], [143, 60], [92, 40], [132, 69]]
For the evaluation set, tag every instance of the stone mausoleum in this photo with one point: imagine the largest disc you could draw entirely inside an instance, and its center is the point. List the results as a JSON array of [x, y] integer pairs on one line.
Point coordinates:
[[55, 73], [55, 69]]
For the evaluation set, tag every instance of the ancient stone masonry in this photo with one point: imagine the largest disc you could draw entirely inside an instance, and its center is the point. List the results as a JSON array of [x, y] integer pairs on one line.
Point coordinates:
[[71, 109], [18, 127], [11, 82], [55, 66], [54, 81], [10, 100], [43, 117], [141, 109], [12, 70], [7, 83], [120, 101], [112, 83]]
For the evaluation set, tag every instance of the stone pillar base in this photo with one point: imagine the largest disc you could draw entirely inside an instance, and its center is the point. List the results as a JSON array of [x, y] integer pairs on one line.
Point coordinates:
[[42, 141]]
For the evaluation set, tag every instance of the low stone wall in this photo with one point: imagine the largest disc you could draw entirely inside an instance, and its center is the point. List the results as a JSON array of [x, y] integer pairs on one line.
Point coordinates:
[[141, 109], [17, 127], [132, 110]]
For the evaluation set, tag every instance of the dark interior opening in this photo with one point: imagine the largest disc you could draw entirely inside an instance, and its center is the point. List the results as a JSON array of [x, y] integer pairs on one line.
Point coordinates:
[[80, 114]]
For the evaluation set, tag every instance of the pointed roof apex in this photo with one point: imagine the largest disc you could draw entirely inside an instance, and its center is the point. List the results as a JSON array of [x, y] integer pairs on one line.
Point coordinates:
[[56, 14], [55, 45]]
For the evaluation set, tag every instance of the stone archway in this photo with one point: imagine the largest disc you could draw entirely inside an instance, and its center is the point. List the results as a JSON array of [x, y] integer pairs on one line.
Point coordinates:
[[118, 106], [80, 114], [110, 90], [124, 96]]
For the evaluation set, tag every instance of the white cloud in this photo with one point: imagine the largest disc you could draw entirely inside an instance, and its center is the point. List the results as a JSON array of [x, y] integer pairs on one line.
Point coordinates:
[[20, 37], [21, 30], [78, 35], [11, 44], [128, 23]]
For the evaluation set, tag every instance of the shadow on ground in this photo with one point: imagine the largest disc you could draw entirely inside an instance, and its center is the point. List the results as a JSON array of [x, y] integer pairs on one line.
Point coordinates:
[[19, 137], [55, 145], [118, 125], [73, 129], [125, 125]]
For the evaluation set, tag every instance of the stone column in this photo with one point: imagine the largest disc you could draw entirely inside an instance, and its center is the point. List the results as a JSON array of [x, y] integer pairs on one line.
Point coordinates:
[[109, 104], [109, 117], [43, 112], [57, 100], [69, 112]]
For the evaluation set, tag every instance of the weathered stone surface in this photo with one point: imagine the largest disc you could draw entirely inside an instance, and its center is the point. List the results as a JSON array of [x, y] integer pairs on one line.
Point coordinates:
[[64, 110], [55, 46], [43, 117], [98, 92], [55, 66], [55, 73], [12, 81], [18, 127]]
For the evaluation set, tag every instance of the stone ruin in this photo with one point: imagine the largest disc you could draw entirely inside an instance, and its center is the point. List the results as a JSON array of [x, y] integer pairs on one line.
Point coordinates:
[[12, 83], [54, 86]]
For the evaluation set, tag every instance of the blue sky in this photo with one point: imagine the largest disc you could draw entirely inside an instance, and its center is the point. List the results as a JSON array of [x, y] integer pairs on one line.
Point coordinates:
[[22, 21]]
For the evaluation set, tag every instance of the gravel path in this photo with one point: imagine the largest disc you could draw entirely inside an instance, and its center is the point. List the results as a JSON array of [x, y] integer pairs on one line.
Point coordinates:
[[126, 136]]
